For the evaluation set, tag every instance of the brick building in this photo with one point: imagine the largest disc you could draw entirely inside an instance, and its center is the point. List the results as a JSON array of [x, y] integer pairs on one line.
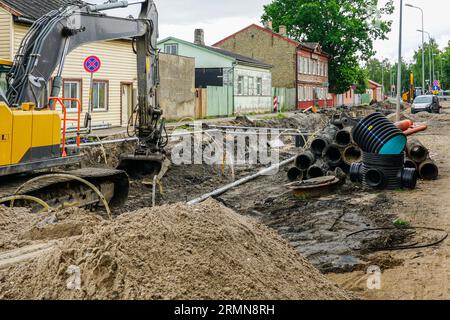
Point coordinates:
[[301, 66]]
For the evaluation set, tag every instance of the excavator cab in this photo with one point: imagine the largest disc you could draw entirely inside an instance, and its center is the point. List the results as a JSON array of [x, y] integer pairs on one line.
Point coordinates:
[[5, 67]]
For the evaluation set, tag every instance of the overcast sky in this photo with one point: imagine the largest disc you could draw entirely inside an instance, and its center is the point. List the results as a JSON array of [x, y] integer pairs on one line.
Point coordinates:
[[219, 19]]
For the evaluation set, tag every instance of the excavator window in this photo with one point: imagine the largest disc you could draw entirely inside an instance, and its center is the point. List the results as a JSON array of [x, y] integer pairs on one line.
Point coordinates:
[[4, 69]]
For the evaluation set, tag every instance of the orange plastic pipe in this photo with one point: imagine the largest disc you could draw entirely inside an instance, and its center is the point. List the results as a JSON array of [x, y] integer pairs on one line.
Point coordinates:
[[414, 130], [404, 125]]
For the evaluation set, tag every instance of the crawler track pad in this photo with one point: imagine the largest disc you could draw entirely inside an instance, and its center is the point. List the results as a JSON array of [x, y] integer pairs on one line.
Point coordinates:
[[141, 165]]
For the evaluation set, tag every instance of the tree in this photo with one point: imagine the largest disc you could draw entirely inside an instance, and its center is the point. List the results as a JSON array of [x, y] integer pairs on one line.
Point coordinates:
[[380, 70], [416, 65], [345, 29], [445, 58], [361, 81]]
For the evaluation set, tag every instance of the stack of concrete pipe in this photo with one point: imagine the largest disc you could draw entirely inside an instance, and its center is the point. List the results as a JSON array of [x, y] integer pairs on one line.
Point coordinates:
[[330, 149], [418, 157]]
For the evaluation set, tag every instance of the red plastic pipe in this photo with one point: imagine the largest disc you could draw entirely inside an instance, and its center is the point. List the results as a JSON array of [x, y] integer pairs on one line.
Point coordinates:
[[414, 130], [404, 125]]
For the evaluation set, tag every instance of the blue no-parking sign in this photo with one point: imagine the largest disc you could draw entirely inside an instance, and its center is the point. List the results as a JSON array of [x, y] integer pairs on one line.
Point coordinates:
[[92, 64]]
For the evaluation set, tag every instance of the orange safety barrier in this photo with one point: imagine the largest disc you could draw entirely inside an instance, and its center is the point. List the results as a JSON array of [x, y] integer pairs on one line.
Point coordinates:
[[65, 119]]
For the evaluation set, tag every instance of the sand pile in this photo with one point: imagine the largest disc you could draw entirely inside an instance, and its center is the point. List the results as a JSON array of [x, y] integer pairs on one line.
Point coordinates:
[[170, 252], [19, 227]]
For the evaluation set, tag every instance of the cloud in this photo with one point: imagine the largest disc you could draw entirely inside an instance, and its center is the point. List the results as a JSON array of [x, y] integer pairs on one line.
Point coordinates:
[[219, 19]]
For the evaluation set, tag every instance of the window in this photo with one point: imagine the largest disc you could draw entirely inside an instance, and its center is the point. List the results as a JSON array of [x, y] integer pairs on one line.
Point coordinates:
[[259, 86], [100, 95], [251, 86], [71, 89], [171, 48], [240, 85]]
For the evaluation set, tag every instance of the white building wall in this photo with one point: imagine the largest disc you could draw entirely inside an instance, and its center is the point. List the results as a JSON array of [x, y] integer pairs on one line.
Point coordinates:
[[248, 100]]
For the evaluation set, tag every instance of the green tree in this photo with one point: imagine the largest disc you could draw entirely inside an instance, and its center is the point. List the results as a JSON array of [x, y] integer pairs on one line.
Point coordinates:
[[445, 59], [416, 65], [381, 72], [345, 29], [361, 81]]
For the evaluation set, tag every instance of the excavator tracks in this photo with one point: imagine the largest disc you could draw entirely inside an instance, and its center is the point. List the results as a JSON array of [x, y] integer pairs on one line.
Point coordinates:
[[59, 190]]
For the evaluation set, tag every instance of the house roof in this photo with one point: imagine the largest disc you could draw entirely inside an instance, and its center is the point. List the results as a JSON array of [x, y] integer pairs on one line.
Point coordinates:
[[376, 84], [311, 46], [224, 53], [32, 9]]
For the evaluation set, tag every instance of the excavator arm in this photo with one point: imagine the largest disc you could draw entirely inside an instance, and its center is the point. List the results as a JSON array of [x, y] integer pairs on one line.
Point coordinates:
[[45, 48]]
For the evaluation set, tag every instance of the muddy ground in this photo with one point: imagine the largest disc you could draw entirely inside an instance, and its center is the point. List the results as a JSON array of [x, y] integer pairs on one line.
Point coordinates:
[[316, 227], [319, 227]]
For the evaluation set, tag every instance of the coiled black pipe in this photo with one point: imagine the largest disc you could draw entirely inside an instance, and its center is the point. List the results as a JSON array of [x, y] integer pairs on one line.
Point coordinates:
[[409, 178], [374, 178], [356, 173], [376, 134]]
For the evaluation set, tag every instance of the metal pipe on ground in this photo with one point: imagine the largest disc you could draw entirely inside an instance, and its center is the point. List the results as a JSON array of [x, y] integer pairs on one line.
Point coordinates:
[[344, 137], [410, 164], [319, 169], [352, 154], [332, 155], [323, 140], [428, 170], [295, 174], [417, 151], [266, 171], [305, 160]]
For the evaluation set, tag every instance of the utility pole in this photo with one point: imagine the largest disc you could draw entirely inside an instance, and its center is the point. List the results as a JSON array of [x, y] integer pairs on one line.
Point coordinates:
[[382, 79], [399, 75], [429, 53], [423, 47]]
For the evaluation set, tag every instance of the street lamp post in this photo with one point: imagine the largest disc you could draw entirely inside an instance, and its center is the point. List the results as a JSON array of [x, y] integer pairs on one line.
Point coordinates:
[[399, 75], [429, 53], [423, 47]]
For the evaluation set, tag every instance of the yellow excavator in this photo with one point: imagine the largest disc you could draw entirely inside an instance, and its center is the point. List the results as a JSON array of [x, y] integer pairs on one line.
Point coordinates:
[[33, 123]]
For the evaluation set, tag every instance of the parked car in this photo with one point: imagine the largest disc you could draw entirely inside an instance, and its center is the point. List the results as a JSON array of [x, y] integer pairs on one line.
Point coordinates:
[[428, 103], [444, 95]]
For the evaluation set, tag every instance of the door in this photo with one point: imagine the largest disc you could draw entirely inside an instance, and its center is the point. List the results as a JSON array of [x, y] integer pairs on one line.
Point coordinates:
[[126, 103]]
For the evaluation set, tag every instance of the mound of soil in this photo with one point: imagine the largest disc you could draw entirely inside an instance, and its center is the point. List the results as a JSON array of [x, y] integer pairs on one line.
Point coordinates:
[[170, 252]]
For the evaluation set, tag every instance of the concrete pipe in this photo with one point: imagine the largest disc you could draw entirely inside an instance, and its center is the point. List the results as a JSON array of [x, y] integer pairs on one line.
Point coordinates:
[[323, 140], [352, 154], [428, 170], [343, 137], [319, 169], [332, 155], [410, 164], [295, 174], [305, 160], [416, 151]]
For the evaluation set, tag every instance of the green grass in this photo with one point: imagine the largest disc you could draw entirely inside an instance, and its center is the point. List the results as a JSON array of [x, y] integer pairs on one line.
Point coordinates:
[[400, 223]]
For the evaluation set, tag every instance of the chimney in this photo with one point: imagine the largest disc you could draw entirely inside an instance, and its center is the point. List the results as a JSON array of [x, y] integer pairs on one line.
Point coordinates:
[[268, 25], [199, 37], [282, 31]]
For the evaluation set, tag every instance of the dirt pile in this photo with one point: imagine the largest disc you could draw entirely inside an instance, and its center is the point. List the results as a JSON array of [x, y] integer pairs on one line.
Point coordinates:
[[171, 252], [19, 227]]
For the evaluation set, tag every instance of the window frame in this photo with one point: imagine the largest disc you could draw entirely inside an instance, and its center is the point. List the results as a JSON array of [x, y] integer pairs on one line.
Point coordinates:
[[251, 86], [78, 81], [259, 86], [171, 45], [240, 85], [106, 109]]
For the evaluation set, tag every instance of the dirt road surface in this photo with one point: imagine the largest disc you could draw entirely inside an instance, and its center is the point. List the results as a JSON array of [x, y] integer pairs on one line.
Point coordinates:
[[424, 273]]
